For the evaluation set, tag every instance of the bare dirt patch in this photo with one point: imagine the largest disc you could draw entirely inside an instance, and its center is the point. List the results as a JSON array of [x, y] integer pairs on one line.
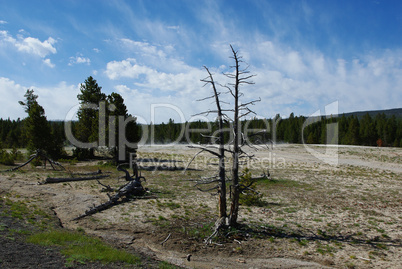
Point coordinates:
[[315, 215]]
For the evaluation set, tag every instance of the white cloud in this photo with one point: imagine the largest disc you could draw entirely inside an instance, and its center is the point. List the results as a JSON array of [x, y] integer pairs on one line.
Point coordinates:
[[6, 38], [30, 45], [48, 63], [126, 69], [56, 101], [79, 60], [143, 48], [36, 47], [303, 81], [288, 80], [158, 57], [153, 108], [3, 22], [151, 79], [11, 93]]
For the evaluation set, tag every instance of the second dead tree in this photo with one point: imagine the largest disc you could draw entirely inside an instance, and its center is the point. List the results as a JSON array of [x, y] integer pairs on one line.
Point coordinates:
[[221, 150]]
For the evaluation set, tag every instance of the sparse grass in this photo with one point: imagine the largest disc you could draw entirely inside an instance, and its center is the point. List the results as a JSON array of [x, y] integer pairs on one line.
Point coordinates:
[[23, 211], [80, 247], [325, 249], [200, 231], [169, 204], [76, 245], [282, 183]]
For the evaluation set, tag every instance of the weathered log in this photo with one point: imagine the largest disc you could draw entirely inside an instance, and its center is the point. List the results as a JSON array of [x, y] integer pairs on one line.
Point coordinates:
[[69, 179], [132, 188], [89, 173]]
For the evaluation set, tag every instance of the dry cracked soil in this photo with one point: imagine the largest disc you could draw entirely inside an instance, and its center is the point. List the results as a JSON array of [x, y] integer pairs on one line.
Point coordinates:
[[323, 207]]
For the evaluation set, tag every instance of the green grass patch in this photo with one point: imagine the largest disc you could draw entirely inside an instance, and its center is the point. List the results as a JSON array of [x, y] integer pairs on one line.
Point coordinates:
[[29, 213], [199, 231], [80, 247]]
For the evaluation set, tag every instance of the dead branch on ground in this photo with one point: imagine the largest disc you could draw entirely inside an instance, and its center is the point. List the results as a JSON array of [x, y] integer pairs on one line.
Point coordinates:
[[132, 189]]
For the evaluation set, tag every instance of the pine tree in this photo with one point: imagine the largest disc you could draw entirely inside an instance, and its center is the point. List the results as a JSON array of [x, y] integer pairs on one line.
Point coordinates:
[[118, 112], [88, 115], [38, 130], [352, 135], [367, 131]]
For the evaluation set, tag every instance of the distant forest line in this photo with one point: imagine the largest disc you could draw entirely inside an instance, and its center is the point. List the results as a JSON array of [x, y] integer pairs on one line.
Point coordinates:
[[383, 128]]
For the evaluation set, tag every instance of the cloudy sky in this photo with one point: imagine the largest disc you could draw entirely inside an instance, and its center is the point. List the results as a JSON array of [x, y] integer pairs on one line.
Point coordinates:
[[305, 54]]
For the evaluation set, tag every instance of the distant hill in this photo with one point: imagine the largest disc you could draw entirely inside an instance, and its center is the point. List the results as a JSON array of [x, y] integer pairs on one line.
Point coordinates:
[[388, 113]]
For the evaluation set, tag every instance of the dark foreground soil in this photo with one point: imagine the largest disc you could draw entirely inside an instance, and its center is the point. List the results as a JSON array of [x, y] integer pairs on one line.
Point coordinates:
[[15, 252]]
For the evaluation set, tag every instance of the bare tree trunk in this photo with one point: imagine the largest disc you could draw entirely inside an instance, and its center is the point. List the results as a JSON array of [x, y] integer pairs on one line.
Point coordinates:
[[222, 175], [234, 209], [240, 77]]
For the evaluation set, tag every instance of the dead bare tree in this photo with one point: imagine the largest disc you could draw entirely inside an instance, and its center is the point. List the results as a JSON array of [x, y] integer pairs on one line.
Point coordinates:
[[221, 148], [240, 77], [240, 110]]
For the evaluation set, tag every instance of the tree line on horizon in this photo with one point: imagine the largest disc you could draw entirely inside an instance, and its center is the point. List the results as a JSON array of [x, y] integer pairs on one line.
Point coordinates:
[[366, 131]]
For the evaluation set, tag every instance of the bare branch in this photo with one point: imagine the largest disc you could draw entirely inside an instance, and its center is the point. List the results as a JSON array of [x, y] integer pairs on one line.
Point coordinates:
[[193, 159], [245, 114], [167, 238], [210, 189], [242, 188], [243, 80], [107, 187], [251, 102], [206, 98], [207, 182], [205, 149]]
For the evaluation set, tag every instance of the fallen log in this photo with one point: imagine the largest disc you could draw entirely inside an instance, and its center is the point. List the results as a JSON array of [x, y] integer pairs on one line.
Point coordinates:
[[131, 189], [69, 179]]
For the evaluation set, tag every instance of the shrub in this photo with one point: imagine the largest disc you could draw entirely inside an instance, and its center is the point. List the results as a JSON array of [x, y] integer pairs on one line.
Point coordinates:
[[82, 153], [17, 155], [6, 158], [249, 196]]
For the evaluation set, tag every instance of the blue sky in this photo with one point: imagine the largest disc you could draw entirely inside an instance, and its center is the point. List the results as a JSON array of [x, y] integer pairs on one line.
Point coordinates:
[[305, 54]]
